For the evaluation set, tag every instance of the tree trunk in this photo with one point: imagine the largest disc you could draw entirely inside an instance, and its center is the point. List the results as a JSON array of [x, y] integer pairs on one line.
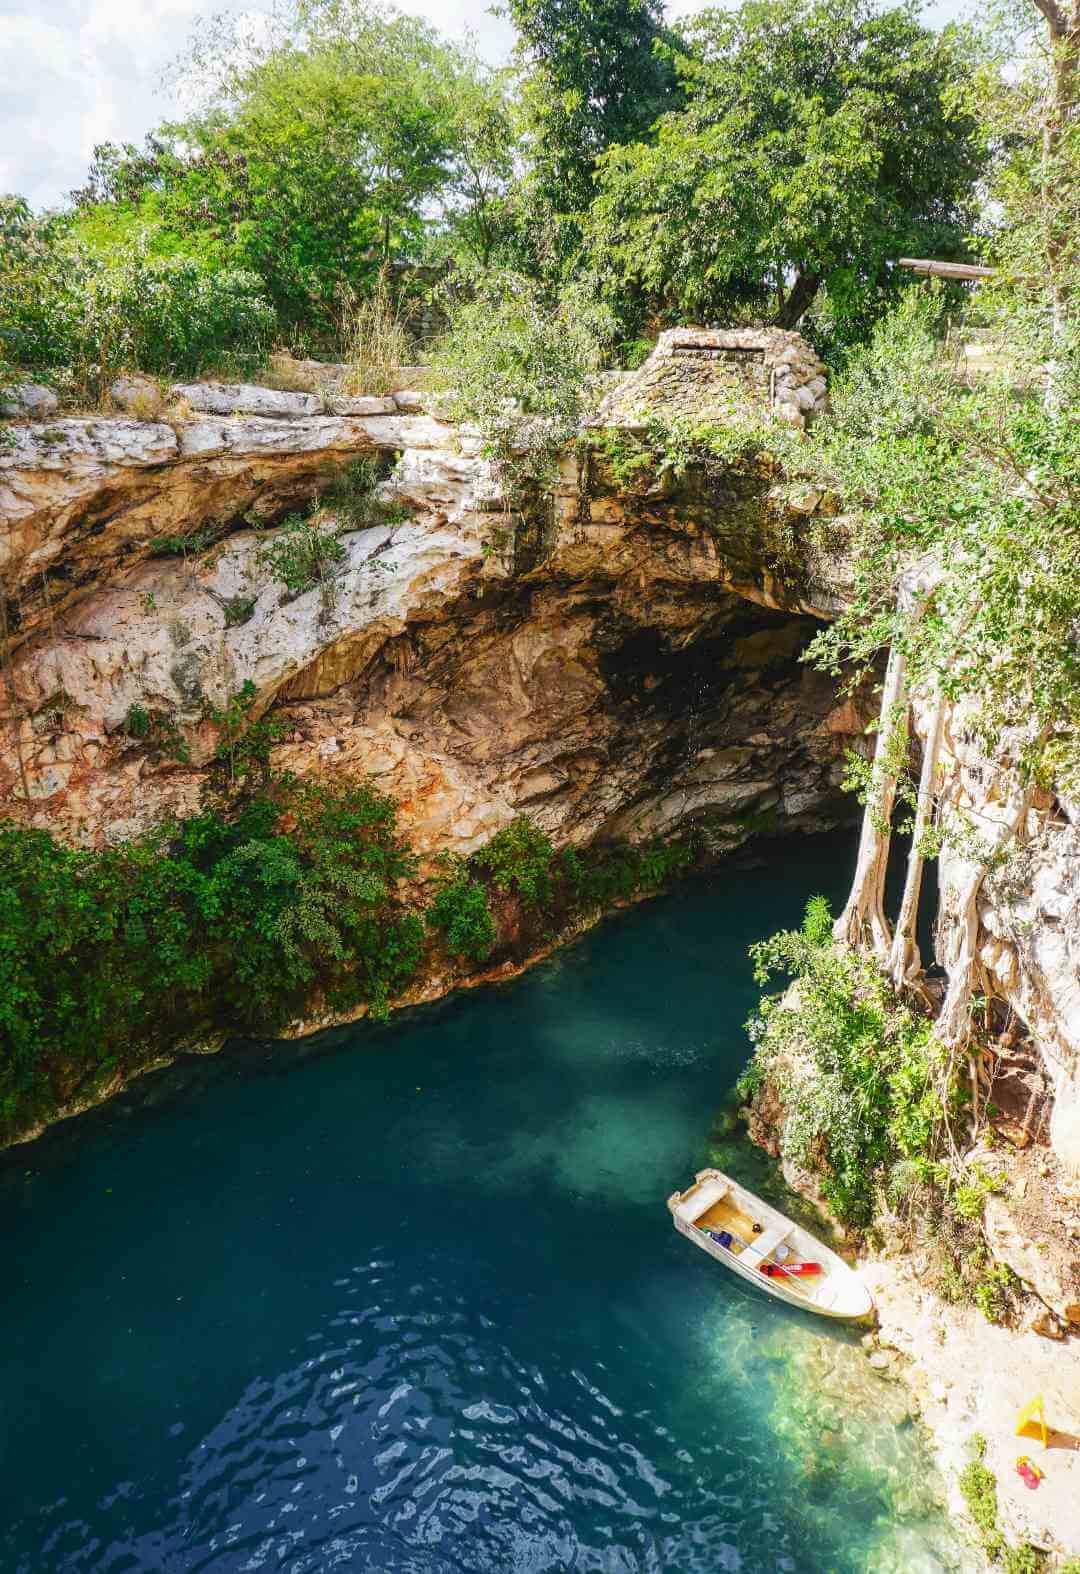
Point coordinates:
[[1059, 219], [961, 958], [865, 909], [905, 962], [799, 300]]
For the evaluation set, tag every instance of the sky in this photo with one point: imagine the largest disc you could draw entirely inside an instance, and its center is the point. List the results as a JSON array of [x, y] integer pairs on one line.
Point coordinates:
[[79, 72]]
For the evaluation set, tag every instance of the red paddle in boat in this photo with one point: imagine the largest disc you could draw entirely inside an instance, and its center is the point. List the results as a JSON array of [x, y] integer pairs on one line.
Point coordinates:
[[797, 1270]]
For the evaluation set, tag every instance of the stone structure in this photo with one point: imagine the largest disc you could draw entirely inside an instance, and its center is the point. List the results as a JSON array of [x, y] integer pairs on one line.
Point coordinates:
[[712, 373]]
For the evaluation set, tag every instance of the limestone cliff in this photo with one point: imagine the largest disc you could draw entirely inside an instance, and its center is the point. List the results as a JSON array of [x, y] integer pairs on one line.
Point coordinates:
[[635, 669]]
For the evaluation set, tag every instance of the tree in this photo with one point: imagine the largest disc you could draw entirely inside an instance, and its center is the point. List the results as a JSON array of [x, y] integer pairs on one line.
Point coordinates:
[[594, 77], [819, 141], [483, 137], [1060, 164]]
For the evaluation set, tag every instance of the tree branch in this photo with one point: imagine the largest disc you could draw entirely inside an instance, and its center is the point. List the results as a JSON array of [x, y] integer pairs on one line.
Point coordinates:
[[1055, 16]]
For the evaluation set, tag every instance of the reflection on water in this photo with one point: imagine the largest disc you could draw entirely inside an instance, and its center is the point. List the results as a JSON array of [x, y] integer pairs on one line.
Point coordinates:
[[413, 1302]]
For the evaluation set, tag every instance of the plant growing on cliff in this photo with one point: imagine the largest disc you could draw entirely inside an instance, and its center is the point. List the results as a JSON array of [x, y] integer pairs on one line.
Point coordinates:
[[303, 553], [460, 910], [160, 730], [518, 368], [222, 921], [245, 741], [553, 889], [374, 334], [858, 1071], [978, 1487]]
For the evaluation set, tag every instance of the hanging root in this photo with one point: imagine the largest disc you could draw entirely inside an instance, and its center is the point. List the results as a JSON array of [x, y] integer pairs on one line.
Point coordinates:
[[954, 1024], [864, 914], [905, 961]]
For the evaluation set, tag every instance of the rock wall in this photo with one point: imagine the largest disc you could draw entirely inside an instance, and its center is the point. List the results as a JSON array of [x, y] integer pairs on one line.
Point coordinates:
[[634, 671], [1027, 930]]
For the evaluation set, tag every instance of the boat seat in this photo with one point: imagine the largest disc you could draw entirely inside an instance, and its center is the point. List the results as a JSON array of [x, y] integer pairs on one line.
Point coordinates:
[[701, 1201], [766, 1243]]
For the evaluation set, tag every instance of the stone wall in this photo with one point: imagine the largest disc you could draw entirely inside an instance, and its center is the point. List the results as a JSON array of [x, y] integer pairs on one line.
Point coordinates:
[[710, 373]]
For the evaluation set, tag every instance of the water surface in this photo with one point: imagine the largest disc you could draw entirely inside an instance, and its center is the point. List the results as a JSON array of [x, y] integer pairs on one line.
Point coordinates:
[[412, 1301]]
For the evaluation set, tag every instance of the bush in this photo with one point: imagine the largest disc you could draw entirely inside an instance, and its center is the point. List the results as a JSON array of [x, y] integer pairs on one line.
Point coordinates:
[[65, 311], [553, 889], [857, 1069], [460, 909], [225, 920], [518, 858], [303, 553], [517, 368]]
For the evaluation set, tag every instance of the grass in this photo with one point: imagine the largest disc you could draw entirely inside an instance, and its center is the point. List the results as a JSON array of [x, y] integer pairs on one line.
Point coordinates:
[[375, 333]]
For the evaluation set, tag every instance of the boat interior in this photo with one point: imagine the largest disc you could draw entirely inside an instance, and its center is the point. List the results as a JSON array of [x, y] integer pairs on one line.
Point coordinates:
[[758, 1244]]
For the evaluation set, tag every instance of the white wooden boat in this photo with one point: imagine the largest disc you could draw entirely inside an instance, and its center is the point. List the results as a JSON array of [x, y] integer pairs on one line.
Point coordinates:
[[762, 1237]]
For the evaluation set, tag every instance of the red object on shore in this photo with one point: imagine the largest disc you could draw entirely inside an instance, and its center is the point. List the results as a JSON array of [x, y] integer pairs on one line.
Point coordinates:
[[1029, 1474], [797, 1270]]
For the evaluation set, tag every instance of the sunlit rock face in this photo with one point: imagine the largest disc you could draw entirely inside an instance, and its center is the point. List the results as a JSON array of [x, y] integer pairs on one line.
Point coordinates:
[[627, 665]]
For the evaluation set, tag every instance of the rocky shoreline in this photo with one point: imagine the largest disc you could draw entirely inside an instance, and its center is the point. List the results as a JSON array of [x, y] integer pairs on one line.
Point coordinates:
[[968, 1379]]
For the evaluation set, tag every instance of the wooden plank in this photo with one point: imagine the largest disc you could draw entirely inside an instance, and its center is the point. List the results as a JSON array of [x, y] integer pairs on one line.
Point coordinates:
[[946, 270]]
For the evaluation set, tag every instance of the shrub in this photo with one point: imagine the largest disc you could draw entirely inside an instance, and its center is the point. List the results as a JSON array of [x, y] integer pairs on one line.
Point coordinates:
[[553, 889], [303, 553], [857, 1068], [239, 610], [161, 731], [226, 919], [519, 858], [517, 368], [460, 909], [65, 310]]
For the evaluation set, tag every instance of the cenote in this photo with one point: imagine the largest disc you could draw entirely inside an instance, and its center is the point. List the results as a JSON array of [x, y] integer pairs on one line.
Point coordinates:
[[412, 1300]]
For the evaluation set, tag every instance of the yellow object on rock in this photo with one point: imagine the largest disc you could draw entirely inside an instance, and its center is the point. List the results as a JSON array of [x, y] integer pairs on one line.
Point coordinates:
[[1031, 1422]]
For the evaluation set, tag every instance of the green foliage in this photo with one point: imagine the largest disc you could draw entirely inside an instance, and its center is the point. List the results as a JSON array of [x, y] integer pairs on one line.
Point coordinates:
[[979, 480], [338, 137], [246, 742], [186, 546], [553, 888], [519, 858], [239, 610], [856, 1066], [518, 369], [818, 143], [223, 920], [65, 310], [161, 731], [594, 77], [460, 909], [978, 1486], [350, 496], [303, 553], [993, 1293]]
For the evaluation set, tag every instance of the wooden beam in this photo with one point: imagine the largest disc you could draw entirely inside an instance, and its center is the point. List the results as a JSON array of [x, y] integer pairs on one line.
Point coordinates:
[[946, 270]]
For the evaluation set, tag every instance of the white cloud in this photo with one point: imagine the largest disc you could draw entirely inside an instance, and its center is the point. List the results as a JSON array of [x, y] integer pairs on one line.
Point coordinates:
[[90, 71]]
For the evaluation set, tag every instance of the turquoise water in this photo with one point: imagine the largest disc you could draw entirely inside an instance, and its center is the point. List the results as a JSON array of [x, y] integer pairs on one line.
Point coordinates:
[[412, 1300]]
